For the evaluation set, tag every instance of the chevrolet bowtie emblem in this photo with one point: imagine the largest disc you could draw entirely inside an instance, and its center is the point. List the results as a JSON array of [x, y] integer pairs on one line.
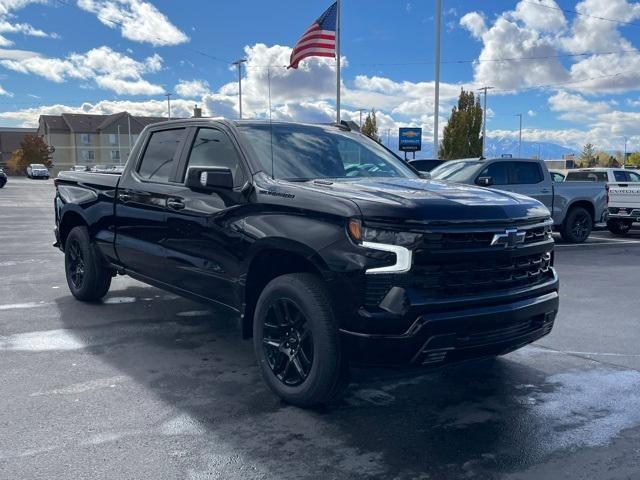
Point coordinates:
[[510, 238]]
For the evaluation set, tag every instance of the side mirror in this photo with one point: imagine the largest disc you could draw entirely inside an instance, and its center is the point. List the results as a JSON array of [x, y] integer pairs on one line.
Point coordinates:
[[484, 181], [209, 178]]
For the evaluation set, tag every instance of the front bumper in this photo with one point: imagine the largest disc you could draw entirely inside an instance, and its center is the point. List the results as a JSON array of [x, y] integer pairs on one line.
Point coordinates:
[[458, 334]]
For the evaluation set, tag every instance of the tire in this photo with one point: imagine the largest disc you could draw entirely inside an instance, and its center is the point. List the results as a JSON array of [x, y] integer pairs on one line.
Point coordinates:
[[88, 277], [619, 227], [294, 323], [577, 225]]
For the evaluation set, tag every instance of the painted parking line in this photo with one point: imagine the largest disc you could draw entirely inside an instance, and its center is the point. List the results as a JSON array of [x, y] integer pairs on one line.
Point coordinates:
[[600, 243]]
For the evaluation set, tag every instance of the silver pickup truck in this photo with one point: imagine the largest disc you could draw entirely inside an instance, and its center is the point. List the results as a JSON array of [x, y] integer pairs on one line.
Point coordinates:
[[574, 206]]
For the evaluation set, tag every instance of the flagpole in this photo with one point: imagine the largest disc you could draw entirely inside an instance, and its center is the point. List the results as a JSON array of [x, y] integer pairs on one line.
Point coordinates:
[[338, 61]]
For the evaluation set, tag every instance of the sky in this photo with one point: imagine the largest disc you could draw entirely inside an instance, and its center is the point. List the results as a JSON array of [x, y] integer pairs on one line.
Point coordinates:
[[571, 68]]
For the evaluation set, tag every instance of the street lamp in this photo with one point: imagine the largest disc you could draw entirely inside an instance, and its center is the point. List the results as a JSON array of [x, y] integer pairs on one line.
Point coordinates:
[[238, 64], [519, 136]]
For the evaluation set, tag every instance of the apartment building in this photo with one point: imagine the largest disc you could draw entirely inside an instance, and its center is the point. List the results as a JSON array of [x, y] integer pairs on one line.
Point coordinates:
[[82, 139]]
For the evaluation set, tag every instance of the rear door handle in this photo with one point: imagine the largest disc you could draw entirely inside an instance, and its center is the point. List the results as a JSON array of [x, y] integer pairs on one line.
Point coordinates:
[[175, 204], [545, 190], [124, 197]]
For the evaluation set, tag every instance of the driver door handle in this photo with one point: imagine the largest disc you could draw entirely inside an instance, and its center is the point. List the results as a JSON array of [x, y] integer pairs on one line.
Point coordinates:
[[175, 204], [124, 197]]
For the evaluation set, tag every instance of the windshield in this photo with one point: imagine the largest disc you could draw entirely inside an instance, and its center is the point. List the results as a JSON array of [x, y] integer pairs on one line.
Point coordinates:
[[306, 152], [37, 165], [455, 171]]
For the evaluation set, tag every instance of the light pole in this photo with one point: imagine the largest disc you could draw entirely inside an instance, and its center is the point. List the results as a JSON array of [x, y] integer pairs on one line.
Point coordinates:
[[168, 95], [624, 159], [119, 149], [436, 101], [360, 110], [238, 64], [484, 118], [520, 136], [388, 137]]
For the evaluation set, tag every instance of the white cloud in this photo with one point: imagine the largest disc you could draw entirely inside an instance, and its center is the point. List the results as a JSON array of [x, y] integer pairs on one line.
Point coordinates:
[[98, 65], [192, 88], [7, 26], [29, 117], [474, 22], [539, 35], [532, 113], [138, 20]]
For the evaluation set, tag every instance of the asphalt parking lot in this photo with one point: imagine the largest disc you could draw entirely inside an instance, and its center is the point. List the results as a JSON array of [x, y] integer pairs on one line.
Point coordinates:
[[149, 385]]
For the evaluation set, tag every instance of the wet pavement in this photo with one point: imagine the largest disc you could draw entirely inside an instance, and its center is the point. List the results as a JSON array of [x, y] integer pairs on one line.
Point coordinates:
[[150, 385]]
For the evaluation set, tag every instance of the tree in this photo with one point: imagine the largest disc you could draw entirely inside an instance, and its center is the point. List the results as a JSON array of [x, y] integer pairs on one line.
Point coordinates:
[[33, 149], [461, 137], [370, 127], [634, 159], [588, 156]]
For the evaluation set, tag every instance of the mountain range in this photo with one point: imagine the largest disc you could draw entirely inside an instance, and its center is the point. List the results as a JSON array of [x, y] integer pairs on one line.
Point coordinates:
[[504, 146]]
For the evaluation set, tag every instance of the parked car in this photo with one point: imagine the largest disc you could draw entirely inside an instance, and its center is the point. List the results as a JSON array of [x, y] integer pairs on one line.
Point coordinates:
[[426, 164], [3, 178], [101, 168], [327, 247], [37, 170], [610, 175], [575, 207], [558, 176], [80, 168], [624, 207]]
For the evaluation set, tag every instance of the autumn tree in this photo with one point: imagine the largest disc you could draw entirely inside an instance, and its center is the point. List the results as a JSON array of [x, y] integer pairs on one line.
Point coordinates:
[[370, 127], [634, 159], [461, 137], [33, 149]]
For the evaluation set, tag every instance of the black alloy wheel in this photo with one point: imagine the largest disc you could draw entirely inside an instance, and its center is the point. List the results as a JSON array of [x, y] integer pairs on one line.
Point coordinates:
[[76, 264], [288, 342], [297, 340], [581, 227], [88, 274], [577, 225]]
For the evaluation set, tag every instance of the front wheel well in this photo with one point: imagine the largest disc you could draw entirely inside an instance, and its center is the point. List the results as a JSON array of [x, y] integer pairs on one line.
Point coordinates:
[[69, 221], [266, 266]]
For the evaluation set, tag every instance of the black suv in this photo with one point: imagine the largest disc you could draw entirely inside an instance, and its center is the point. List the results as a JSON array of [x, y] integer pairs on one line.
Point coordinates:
[[328, 247]]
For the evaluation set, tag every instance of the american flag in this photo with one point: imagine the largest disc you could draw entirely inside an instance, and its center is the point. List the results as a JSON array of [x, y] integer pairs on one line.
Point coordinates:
[[319, 40]]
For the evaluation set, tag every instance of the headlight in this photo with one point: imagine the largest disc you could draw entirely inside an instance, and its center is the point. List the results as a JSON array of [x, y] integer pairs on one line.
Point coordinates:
[[385, 241], [359, 234]]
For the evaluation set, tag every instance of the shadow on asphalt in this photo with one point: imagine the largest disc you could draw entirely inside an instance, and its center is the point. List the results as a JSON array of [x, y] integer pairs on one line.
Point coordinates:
[[452, 420]]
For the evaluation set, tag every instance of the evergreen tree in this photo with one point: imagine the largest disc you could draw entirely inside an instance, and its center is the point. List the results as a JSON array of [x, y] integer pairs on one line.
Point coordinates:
[[461, 137], [370, 127], [588, 156]]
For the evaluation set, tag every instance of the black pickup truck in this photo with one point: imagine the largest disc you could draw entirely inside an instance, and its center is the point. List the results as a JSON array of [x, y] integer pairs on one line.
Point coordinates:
[[327, 246]]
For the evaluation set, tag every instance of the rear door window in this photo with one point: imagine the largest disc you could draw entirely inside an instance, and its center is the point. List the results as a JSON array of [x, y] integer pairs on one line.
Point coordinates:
[[586, 177], [160, 155], [526, 173], [620, 176], [633, 176], [498, 171]]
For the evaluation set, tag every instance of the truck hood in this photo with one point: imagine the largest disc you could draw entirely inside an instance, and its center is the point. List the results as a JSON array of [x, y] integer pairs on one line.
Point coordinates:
[[397, 200]]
